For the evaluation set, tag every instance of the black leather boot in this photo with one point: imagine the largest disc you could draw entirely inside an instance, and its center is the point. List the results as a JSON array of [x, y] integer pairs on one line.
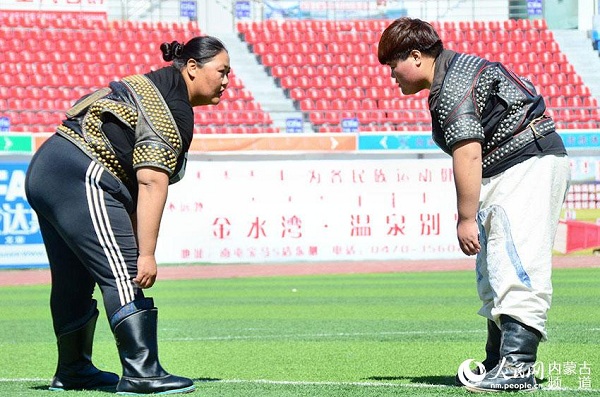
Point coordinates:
[[135, 330], [492, 351], [518, 352], [75, 370]]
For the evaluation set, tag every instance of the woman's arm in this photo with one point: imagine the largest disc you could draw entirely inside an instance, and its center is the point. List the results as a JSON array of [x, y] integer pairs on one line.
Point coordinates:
[[153, 186], [466, 159]]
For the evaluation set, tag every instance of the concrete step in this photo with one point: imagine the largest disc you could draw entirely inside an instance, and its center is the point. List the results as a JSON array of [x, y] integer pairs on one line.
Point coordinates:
[[577, 47], [256, 80]]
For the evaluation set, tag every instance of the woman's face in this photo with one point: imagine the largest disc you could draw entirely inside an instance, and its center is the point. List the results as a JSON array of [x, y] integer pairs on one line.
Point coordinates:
[[409, 74], [208, 82]]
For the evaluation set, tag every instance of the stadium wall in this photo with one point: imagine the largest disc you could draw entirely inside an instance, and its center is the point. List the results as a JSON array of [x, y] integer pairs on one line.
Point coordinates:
[[294, 197]]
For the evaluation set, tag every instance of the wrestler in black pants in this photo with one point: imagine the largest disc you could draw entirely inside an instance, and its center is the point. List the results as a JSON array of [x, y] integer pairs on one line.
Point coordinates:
[[83, 211], [93, 243], [83, 185]]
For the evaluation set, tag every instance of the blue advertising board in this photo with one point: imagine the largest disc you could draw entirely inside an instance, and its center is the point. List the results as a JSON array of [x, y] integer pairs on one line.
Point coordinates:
[[400, 142], [422, 142], [188, 8], [293, 124], [350, 125], [534, 7], [577, 139], [339, 10], [243, 10], [4, 124], [21, 243]]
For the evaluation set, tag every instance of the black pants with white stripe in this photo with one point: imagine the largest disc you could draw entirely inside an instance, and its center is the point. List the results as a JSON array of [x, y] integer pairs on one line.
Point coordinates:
[[87, 231]]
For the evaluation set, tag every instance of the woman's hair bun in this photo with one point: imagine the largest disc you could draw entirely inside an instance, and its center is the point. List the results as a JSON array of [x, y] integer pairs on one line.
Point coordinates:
[[171, 50]]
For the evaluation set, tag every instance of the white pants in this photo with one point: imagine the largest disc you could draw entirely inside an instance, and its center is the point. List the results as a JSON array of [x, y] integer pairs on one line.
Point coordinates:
[[518, 216]]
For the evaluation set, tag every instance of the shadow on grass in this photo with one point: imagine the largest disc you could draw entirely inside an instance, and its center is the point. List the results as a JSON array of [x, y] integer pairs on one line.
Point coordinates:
[[109, 390], [431, 380], [42, 387], [207, 379]]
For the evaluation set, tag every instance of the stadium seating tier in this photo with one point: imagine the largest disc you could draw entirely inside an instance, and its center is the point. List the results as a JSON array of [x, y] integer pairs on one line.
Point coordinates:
[[51, 62], [328, 68]]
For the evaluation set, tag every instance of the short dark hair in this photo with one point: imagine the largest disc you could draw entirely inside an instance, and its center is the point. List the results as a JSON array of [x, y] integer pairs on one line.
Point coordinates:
[[406, 34], [201, 48]]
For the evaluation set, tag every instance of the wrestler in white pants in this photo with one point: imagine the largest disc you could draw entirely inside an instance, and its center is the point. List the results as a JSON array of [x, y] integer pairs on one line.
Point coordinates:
[[518, 216]]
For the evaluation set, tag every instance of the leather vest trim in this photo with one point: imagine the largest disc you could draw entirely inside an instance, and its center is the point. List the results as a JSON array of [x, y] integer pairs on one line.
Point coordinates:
[[138, 104]]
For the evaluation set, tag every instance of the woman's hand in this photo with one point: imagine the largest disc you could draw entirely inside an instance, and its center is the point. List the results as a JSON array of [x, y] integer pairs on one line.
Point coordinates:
[[152, 195], [146, 271], [466, 162], [468, 237]]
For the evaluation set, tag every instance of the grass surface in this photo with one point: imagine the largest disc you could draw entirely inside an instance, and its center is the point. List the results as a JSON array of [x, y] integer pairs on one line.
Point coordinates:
[[586, 215], [401, 334]]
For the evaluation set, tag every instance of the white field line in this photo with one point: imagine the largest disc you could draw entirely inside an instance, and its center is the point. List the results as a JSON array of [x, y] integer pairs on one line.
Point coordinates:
[[323, 383], [327, 383], [325, 335], [373, 384], [321, 335], [318, 335]]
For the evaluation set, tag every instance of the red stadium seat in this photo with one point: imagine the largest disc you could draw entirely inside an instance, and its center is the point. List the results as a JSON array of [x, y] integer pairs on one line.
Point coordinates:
[[501, 36], [509, 24], [546, 36], [516, 35], [552, 68], [322, 104], [494, 47], [524, 47], [590, 102], [479, 48], [583, 91], [532, 36], [567, 91], [312, 60], [536, 68], [560, 79], [574, 79], [539, 24], [574, 102]]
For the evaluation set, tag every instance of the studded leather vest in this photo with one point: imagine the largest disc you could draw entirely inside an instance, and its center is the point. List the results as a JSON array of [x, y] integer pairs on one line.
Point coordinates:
[[137, 103], [484, 101]]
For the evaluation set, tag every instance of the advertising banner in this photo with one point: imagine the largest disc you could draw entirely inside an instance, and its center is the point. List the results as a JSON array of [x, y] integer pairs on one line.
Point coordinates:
[[189, 9], [94, 6], [310, 210], [243, 9], [73, 11], [327, 9], [21, 243]]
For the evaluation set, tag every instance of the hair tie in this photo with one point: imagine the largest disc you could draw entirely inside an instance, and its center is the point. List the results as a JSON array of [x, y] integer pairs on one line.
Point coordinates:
[[177, 49]]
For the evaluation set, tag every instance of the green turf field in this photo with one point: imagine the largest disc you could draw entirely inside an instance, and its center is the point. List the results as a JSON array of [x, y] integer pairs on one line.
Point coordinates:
[[584, 215], [401, 334]]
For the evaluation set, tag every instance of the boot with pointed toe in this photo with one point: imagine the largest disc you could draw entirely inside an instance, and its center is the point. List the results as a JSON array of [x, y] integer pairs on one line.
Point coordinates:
[[75, 370], [492, 351], [518, 353], [135, 330]]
